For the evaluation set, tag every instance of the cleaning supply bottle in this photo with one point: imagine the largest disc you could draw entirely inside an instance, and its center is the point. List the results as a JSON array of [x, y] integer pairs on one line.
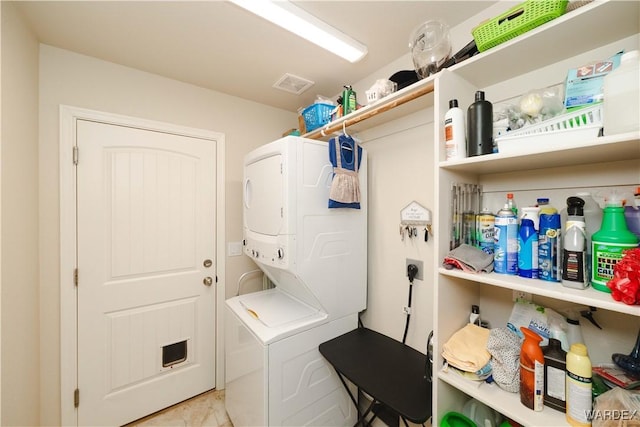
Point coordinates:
[[574, 263], [609, 243], [555, 372], [532, 213], [474, 317], [621, 96], [505, 236], [578, 386], [527, 250], [545, 207], [454, 133], [549, 254], [592, 221], [632, 214], [480, 126], [574, 330], [349, 102], [485, 228], [531, 370], [511, 202], [592, 214]]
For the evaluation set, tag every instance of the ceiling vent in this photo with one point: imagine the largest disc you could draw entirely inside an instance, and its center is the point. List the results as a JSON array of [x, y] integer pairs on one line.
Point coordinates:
[[293, 84]]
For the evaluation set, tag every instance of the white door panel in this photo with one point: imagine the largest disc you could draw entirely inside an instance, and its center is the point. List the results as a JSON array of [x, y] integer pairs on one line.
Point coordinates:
[[146, 224]]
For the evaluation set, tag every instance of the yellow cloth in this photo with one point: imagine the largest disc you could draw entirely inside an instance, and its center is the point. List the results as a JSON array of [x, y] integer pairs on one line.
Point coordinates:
[[467, 348]]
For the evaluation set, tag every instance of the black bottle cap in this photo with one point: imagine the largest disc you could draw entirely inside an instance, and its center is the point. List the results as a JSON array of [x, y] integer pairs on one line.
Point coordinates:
[[479, 95], [475, 309], [575, 206], [453, 103]]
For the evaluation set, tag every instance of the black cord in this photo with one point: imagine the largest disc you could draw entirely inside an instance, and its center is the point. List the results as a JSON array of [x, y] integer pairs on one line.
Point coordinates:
[[406, 326], [412, 272]]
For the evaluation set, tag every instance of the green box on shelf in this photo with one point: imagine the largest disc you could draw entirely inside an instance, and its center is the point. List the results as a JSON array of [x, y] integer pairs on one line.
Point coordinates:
[[516, 21]]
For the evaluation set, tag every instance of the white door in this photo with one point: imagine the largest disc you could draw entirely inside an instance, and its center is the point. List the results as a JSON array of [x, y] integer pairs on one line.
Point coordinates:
[[146, 282]]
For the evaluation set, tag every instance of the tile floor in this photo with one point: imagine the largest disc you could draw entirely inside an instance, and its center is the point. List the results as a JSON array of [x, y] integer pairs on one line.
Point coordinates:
[[204, 410]]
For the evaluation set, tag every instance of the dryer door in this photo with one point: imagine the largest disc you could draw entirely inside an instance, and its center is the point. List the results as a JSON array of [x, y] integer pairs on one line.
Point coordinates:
[[264, 195]]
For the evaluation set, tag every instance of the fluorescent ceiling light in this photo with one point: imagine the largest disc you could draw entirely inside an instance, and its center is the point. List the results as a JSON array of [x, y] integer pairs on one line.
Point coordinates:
[[307, 26]]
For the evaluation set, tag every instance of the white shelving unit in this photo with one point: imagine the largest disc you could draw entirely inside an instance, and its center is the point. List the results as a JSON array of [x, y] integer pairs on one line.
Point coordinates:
[[537, 59]]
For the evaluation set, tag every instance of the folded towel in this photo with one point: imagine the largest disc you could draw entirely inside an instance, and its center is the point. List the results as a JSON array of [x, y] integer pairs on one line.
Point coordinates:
[[467, 348], [469, 258]]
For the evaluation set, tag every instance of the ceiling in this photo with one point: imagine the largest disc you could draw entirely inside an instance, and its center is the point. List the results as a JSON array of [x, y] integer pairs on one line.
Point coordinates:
[[219, 46]]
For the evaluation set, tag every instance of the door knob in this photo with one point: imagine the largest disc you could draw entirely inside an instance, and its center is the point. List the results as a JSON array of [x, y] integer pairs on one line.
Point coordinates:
[[208, 281]]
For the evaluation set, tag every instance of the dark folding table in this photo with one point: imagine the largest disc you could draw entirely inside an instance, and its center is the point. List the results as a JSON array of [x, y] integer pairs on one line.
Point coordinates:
[[392, 373]]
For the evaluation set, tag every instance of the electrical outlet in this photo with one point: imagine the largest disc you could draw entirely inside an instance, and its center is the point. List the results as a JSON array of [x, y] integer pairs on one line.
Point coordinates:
[[418, 264], [521, 295]]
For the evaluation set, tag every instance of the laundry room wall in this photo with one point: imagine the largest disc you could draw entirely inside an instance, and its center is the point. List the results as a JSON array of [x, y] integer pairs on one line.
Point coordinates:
[[72, 79], [19, 386], [400, 172]]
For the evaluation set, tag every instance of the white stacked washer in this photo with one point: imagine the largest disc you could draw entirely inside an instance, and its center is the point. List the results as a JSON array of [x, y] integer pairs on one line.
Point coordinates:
[[317, 258]]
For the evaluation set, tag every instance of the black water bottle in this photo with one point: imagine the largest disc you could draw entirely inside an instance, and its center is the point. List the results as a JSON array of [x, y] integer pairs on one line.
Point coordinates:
[[480, 126]]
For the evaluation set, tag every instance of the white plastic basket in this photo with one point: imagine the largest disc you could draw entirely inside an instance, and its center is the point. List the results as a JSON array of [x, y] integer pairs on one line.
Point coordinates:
[[563, 129], [372, 96]]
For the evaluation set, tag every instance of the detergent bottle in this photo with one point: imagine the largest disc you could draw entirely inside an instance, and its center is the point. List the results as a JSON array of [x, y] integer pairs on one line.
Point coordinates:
[[609, 243], [578, 386]]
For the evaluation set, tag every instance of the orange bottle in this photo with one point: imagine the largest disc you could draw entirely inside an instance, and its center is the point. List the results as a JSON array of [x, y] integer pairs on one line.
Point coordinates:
[[531, 371]]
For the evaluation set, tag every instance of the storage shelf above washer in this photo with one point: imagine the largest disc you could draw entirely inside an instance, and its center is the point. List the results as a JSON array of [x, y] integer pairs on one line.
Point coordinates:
[[395, 105]]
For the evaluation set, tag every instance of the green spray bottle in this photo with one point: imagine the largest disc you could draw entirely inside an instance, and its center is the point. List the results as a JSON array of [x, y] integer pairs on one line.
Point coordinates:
[[609, 243], [349, 102]]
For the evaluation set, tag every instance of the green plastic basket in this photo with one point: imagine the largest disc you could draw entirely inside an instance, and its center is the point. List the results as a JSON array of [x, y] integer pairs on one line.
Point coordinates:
[[517, 20]]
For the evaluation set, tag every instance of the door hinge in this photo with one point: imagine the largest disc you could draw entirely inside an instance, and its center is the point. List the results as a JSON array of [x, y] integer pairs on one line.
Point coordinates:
[[281, 212], [75, 276], [75, 154], [76, 398]]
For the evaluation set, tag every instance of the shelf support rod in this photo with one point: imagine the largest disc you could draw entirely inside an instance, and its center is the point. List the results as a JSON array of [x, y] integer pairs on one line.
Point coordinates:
[[337, 125]]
